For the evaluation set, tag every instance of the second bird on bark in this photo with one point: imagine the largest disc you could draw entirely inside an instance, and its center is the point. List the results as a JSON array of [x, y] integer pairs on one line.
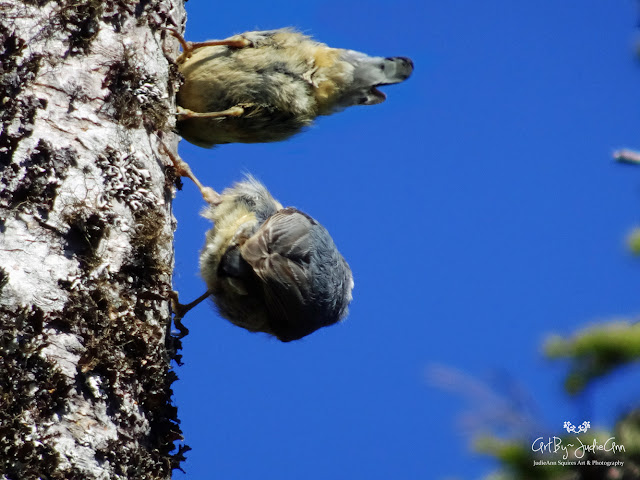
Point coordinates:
[[265, 86]]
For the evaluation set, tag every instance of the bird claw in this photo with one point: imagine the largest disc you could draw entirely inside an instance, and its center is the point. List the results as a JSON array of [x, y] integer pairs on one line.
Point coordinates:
[[237, 41], [183, 170], [185, 113], [180, 310]]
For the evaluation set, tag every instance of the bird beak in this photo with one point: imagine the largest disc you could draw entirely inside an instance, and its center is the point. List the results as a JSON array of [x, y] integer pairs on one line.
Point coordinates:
[[376, 96]]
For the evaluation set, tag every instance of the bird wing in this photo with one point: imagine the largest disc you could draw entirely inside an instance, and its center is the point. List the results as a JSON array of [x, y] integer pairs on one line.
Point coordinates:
[[280, 252]]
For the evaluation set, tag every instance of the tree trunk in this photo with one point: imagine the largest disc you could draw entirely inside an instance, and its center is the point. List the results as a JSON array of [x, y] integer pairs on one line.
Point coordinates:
[[86, 251]]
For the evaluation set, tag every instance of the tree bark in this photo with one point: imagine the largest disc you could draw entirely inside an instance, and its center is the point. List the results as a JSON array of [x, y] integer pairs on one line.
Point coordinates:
[[86, 251]]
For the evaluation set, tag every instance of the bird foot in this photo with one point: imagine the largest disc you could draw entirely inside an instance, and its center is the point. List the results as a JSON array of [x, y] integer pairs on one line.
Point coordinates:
[[185, 113], [180, 310], [237, 41], [182, 169]]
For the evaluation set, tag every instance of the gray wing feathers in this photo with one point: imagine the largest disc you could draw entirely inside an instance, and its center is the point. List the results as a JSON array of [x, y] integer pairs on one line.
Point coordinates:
[[278, 249], [307, 283]]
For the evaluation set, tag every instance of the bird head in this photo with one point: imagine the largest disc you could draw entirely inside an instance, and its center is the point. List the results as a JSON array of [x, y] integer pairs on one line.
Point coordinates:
[[369, 73]]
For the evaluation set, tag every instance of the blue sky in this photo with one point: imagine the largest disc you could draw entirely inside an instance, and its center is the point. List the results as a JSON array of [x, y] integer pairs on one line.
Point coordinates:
[[479, 209]]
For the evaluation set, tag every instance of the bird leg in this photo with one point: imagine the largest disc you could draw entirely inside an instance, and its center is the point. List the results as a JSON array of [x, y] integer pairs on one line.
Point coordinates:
[[185, 113], [183, 170], [237, 41], [180, 310]]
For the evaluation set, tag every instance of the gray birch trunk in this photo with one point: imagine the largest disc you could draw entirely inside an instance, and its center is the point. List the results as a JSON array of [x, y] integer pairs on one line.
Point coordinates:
[[86, 239]]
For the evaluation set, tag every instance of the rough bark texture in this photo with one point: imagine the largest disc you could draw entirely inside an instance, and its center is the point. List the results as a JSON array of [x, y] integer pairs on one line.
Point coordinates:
[[86, 232]]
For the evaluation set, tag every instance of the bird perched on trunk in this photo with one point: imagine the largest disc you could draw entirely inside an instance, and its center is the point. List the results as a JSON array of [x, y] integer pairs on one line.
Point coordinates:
[[272, 269], [265, 86], [268, 268]]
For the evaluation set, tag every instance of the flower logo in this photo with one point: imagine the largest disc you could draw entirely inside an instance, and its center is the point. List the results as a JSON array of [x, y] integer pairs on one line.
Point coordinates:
[[582, 428]]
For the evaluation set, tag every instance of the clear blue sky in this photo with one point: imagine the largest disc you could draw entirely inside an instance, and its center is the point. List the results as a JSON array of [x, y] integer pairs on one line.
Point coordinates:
[[479, 209]]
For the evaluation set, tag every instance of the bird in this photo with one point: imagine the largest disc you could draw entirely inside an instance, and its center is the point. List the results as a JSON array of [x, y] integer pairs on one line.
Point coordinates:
[[268, 268], [265, 86]]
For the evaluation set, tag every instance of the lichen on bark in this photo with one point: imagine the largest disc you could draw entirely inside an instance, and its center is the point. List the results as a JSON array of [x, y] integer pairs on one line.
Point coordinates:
[[86, 239]]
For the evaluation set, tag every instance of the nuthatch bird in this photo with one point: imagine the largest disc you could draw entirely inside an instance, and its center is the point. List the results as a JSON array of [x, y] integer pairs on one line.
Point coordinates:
[[265, 86], [268, 268]]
